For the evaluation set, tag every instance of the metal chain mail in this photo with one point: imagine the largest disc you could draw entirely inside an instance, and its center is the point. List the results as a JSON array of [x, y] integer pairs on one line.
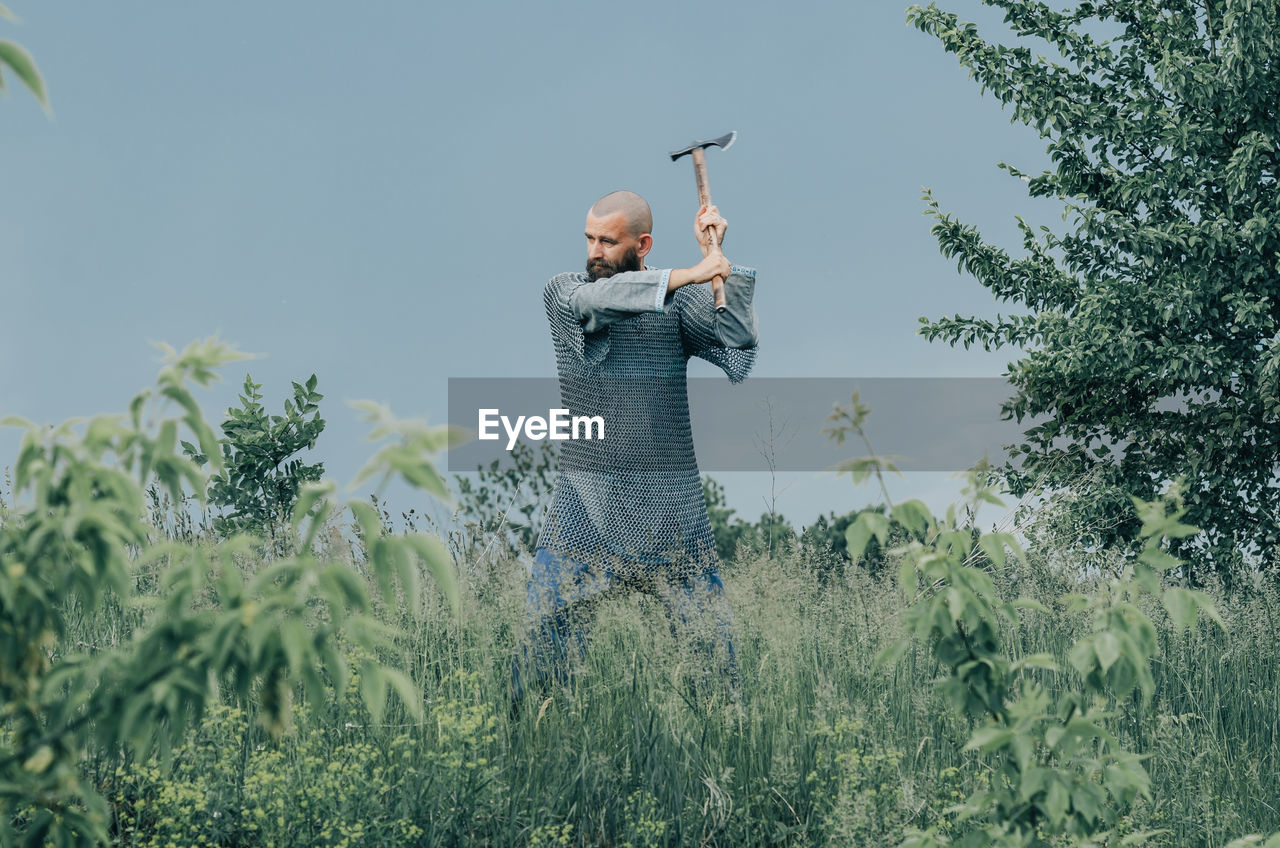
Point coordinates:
[[632, 502]]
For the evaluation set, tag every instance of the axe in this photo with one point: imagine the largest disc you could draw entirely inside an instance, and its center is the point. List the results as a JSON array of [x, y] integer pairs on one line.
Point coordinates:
[[704, 196]]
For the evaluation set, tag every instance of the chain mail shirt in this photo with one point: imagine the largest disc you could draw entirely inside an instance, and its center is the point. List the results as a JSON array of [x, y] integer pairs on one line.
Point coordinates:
[[632, 501]]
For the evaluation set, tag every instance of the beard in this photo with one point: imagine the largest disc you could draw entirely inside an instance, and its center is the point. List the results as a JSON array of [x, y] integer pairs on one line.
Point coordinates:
[[600, 268]]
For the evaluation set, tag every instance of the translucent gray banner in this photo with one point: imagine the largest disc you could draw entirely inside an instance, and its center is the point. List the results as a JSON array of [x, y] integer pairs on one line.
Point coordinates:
[[928, 424]]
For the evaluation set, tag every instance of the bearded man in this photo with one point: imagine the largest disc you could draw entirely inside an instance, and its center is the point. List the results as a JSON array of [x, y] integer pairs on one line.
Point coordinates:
[[628, 510]]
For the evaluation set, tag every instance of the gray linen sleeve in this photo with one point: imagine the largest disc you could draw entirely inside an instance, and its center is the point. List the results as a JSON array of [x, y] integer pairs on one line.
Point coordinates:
[[736, 326], [726, 339], [599, 304], [580, 312]]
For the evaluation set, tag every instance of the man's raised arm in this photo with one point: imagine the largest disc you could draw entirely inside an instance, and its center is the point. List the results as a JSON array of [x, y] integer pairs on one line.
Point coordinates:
[[598, 304]]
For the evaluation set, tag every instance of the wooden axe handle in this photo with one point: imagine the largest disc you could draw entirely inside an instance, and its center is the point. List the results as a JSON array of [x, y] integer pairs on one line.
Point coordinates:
[[704, 198]]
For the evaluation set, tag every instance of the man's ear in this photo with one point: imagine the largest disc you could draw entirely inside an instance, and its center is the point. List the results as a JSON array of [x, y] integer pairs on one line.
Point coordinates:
[[646, 244]]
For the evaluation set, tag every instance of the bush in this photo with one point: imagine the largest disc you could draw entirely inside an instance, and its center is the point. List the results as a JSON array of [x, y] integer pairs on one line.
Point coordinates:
[[75, 550]]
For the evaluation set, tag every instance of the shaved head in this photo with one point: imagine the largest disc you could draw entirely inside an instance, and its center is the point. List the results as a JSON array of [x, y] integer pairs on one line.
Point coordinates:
[[633, 208]]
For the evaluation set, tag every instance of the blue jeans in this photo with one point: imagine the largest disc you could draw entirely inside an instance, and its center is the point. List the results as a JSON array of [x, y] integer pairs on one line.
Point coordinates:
[[560, 602]]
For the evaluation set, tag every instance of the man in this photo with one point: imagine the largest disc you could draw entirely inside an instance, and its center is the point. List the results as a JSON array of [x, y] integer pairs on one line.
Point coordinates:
[[627, 511]]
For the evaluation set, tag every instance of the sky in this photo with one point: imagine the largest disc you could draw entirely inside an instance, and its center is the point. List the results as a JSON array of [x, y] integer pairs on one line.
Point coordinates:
[[377, 194]]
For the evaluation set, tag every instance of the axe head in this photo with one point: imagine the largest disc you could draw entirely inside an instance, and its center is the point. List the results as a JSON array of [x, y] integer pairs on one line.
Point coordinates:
[[722, 142]]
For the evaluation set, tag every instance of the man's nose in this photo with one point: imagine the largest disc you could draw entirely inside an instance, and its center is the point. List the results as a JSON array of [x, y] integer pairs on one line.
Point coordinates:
[[595, 250]]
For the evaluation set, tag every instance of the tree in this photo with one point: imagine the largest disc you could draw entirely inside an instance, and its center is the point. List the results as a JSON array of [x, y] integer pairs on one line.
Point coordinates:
[[1151, 331], [727, 527], [260, 480]]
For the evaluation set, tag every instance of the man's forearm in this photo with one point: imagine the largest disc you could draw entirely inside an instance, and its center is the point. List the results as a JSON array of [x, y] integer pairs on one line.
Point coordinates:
[[609, 299], [710, 266], [680, 277]]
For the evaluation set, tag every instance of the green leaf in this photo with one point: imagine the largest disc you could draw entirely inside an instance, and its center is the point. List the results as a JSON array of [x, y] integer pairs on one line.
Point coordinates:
[[1158, 559], [1056, 801], [366, 519], [993, 547], [20, 61], [1081, 730], [1042, 661], [1034, 780], [1107, 648], [296, 641], [1081, 656], [194, 420], [38, 762], [860, 468], [439, 562], [410, 693], [987, 496], [336, 665], [1126, 780], [373, 690], [988, 739], [1206, 606], [858, 535], [1024, 751], [958, 603], [1053, 735], [1181, 606], [1087, 801], [421, 473], [913, 515], [308, 496], [1147, 579], [907, 578], [349, 584]]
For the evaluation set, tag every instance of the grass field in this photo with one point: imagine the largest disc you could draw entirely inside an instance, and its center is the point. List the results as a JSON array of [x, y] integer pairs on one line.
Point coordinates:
[[823, 747]]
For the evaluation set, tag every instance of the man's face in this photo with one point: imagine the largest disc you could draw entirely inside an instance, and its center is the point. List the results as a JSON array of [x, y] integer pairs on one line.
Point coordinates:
[[611, 248]]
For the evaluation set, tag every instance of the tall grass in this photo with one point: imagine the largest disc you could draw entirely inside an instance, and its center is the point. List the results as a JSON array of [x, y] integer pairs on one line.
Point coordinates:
[[822, 747]]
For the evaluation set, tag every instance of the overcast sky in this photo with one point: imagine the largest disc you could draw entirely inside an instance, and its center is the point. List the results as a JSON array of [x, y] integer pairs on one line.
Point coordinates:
[[377, 193]]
